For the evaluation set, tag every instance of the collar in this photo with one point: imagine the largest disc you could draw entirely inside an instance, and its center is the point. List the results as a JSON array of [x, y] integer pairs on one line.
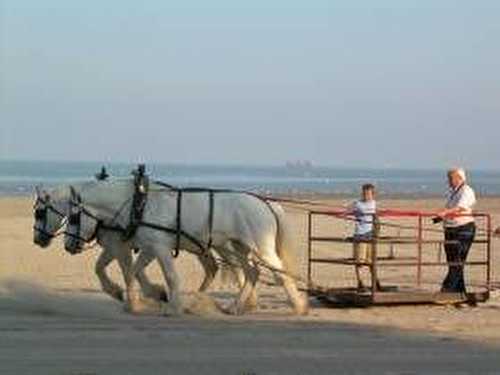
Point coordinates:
[[452, 193]]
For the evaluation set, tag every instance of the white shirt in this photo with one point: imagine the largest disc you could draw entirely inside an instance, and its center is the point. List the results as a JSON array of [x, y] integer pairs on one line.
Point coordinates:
[[464, 198], [363, 213]]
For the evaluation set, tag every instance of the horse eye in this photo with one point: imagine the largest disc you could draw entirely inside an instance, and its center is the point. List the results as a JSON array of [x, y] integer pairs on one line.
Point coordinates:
[[40, 213]]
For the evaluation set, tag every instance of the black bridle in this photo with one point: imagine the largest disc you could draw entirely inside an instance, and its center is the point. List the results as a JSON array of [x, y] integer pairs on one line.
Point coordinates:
[[41, 215], [77, 210]]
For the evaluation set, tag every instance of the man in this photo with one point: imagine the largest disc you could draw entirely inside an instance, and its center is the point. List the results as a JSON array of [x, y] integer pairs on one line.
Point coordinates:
[[459, 229], [363, 211]]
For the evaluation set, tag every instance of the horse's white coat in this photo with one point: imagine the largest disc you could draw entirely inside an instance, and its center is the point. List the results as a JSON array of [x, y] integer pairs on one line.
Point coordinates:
[[113, 247], [244, 227]]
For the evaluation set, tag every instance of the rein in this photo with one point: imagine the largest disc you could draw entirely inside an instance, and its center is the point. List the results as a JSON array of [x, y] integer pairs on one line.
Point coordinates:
[[58, 233], [76, 216], [179, 233], [75, 219], [177, 230]]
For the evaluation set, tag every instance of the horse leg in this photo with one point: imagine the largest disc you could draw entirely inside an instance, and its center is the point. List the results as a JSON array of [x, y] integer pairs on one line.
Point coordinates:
[[149, 289], [241, 304], [239, 252], [135, 304], [210, 267], [252, 300], [239, 276], [166, 261], [298, 301], [247, 275], [122, 252], [230, 273], [107, 285]]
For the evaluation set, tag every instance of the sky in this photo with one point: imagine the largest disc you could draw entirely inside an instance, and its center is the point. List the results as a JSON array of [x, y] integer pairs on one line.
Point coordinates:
[[385, 84]]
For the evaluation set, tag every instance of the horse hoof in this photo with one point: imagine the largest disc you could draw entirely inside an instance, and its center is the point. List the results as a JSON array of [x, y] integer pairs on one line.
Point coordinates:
[[168, 310], [163, 296], [116, 294], [157, 293], [234, 309], [251, 304], [303, 312], [303, 309], [143, 307], [119, 296], [128, 308]]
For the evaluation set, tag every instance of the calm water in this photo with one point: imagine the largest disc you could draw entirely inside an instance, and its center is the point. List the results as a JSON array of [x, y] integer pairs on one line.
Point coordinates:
[[20, 177]]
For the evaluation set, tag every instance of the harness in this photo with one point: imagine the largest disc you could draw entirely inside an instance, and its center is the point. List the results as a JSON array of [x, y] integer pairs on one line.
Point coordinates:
[[139, 200], [75, 218], [41, 215], [178, 231]]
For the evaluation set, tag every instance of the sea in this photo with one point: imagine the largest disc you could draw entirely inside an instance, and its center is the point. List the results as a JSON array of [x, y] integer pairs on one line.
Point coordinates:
[[21, 177]]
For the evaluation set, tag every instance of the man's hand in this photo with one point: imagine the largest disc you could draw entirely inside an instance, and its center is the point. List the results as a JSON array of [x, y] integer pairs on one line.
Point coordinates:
[[442, 214], [450, 212]]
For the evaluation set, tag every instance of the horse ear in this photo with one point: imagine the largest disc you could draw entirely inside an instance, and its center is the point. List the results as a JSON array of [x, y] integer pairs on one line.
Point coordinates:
[[37, 192], [75, 196], [42, 193], [72, 193]]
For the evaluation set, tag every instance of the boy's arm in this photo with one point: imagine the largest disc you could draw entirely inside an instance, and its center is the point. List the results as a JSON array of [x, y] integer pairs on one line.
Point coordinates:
[[351, 209]]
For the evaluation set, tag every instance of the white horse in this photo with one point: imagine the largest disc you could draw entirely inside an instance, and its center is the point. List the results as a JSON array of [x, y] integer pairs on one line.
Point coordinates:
[[50, 212], [240, 227]]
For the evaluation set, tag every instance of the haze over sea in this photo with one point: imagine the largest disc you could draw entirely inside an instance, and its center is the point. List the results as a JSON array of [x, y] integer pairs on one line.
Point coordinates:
[[20, 178]]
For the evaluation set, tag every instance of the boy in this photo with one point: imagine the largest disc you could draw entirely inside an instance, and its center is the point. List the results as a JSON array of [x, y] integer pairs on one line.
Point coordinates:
[[363, 211]]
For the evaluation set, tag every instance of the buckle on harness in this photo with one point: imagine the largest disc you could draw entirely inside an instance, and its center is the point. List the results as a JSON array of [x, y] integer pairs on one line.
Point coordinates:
[[141, 188], [102, 175]]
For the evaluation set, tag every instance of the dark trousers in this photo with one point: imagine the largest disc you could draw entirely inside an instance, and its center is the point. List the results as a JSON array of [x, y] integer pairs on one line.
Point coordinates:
[[456, 252]]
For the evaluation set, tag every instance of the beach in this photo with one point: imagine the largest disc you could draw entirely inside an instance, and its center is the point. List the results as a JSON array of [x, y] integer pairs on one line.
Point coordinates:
[[170, 132], [54, 319]]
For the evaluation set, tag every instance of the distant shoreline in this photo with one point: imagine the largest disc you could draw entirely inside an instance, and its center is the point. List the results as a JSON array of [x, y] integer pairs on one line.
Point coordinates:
[[20, 178], [313, 196]]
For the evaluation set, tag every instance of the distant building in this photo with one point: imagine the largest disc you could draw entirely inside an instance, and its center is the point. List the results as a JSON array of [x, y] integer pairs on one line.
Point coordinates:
[[302, 168], [299, 164]]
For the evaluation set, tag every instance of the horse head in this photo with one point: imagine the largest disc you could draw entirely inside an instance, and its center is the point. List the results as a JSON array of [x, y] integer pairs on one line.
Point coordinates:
[[82, 225], [48, 218]]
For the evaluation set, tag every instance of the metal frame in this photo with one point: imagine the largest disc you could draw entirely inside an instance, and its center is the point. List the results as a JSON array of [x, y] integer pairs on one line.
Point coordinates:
[[396, 295]]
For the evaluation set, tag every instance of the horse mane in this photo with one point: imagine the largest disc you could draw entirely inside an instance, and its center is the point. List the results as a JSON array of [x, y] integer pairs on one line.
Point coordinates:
[[61, 193]]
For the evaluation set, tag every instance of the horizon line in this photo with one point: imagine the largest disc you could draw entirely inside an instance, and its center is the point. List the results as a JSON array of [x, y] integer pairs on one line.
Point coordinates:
[[244, 164]]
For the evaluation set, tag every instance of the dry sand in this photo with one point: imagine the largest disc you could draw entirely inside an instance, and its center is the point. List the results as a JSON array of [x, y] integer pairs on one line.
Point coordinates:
[[55, 320]]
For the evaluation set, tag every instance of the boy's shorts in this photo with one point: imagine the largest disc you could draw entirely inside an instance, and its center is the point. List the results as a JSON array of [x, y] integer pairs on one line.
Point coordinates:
[[362, 251]]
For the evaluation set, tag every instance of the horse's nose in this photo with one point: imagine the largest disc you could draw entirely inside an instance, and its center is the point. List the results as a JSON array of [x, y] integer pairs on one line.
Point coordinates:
[[69, 247], [41, 240]]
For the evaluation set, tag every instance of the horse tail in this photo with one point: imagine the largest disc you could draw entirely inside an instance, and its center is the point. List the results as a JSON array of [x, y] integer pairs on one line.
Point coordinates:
[[285, 244]]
